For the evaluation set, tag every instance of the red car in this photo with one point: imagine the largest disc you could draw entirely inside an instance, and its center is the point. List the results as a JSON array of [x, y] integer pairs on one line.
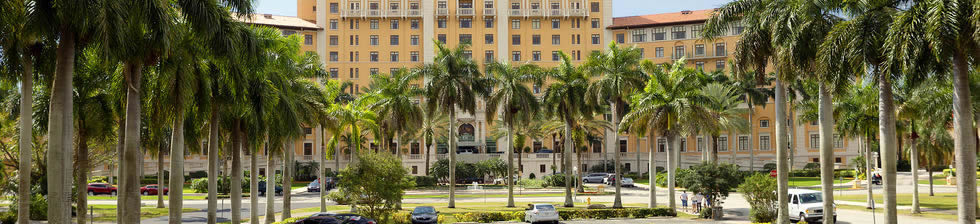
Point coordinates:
[[101, 188], [152, 189]]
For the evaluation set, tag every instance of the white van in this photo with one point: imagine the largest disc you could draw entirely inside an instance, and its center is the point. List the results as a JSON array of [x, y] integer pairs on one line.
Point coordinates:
[[807, 206]]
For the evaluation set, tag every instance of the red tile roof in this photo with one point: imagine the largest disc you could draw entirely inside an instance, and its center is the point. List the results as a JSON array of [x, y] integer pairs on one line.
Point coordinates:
[[681, 17], [287, 22]]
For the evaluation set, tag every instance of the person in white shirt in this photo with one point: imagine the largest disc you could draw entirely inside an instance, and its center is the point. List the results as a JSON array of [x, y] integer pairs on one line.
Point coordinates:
[[684, 200]]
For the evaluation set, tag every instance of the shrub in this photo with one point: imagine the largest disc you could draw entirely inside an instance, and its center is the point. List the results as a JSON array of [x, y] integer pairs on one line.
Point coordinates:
[[705, 214], [847, 173], [198, 174], [98, 179], [339, 197], [805, 173], [714, 181], [662, 179], [952, 172], [903, 166], [812, 166], [39, 208], [425, 181], [759, 190], [769, 167], [568, 214], [8, 217], [530, 183], [556, 180], [487, 217]]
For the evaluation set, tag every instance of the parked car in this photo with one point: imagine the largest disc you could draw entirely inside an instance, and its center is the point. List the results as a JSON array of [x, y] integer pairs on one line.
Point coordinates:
[[153, 189], [609, 179], [330, 183], [313, 186], [425, 215], [320, 220], [470, 180], [628, 182], [594, 177], [807, 206], [262, 189], [354, 219], [503, 180], [101, 188], [536, 213]]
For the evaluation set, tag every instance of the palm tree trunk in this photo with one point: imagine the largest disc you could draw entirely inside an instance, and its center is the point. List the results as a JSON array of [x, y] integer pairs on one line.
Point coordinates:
[[868, 169], [426, 147], [714, 149], [931, 192], [253, 184], [671, 176], [213, 158], [60, 133], [452, 158], [652, 177], [569, 147], [618, 200], [510, 165], [322, 167], [129, 189], [964, 140], [236, 172], [782, 167], [25, 148], [287, 179], [81, 176], [826, 127], [751, 136], [270, 186], [914, 157], [886, 126], [578, 163], [177, 165], [160, 182]]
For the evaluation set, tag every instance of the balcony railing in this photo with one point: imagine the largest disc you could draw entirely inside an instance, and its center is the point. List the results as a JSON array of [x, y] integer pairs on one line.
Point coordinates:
[[516, 12], [465, 12], [534, 12], [394, 12], [489, 12], [307, 157], [679, 56], [542, 155], [374, 13], [354, 13], [555, 12], [577, 12], [442, 12], [415, 157], [414, 12]]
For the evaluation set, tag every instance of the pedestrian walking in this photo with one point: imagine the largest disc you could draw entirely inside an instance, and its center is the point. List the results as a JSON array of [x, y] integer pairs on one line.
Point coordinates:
[[684, 200]]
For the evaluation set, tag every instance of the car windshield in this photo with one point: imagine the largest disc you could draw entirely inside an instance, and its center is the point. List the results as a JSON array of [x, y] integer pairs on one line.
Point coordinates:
[[545, 207], [424, 210], [811, 198], [627, 179]]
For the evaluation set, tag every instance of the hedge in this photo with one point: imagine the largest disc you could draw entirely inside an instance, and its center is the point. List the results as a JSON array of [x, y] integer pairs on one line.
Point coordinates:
[[947, 172], [564, 213], [568, 214]]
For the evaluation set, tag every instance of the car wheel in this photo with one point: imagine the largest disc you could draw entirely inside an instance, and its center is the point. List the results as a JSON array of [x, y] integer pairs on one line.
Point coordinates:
[[91, 193], [802, 218], [145, 193], [113, 193]]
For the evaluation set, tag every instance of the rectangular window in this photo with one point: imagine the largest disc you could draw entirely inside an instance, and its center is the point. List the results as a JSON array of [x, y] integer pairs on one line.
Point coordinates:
[[374, 71], [764, 143], [683, 144], [374, 56], [334, 8], [515, 40], [535, 39], [488, 55], [465, 23], [595, 23], [334, 56], [334, 40], [720, 65], [542, 168], [415, 170], [442, 23], [700, 144], [488, 38], [555, 39], [536, 56], [720, 50], [307, 149], [488, 23], [699, 49], [355, 24], [594, 6], [620, 38], [814, 141], [595, 39], [639, 36], [465, 38], [375, 40], [375, 24], [536, 88], [659, 33], [838, 142], [414, 24], [837, 160], [763, 123], [415, 40], [696, 31], [659, 52], [515, 24], [333, 24], [394, 24], [743, 143], [394, 56], [555, 23], [394, 40], [334, 73], [535, 24], [414, 56], [308, 39], [555, 56], [516, 56], [723, 144], [679, 52], [661, 145], [441, 38], [699, 65], [678, 33]]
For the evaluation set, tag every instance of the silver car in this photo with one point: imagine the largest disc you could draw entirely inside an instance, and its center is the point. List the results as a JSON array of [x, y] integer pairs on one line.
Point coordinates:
[[594, 178], [538, 213]]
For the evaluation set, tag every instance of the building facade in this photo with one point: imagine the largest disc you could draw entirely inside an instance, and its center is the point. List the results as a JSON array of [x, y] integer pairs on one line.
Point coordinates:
[[358, 38]]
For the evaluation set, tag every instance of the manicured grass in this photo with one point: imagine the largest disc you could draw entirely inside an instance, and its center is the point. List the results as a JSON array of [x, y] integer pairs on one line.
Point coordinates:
[[940, 201], [298, 185], [642, 181], [936, 180], [148, 197], [812, 181], [496, 195], [107, 213], [934, 215]]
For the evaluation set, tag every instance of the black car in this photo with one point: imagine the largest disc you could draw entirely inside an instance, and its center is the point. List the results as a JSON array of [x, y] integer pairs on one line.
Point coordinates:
[[425, 215], [354, 219], [320, 220], [262, 189]]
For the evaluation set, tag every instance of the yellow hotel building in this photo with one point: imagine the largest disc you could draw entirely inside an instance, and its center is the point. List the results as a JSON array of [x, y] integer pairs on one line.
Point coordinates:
[[357, 38]]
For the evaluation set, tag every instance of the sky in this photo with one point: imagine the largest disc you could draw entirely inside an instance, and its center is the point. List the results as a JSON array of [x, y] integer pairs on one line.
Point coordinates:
[[620, 7]]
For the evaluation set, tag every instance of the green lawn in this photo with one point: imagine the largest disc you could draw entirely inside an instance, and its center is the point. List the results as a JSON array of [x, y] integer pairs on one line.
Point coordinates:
[[940, 201], [298, 185], [149, 197], [495, 195], [936, 180], [907, 212], [812, 181], [107, 213]]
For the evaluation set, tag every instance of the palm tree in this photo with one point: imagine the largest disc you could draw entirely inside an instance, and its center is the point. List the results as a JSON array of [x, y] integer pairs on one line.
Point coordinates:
[[433, 128], [924, 108], [19, 43], [924, 38], [859, 118], [93, 119], [562, 100], [454, 81], [395, 103], [515, 103], [722, 105], [619, 75], [669, 101], [754, 93]]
